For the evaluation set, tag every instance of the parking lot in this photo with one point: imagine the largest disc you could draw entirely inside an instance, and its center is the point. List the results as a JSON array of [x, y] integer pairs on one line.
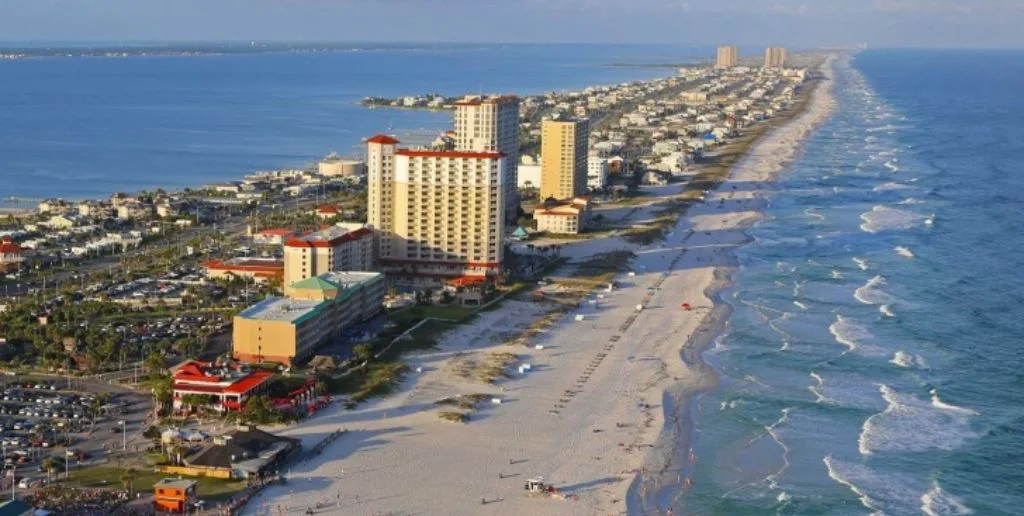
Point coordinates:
[[42, 419]]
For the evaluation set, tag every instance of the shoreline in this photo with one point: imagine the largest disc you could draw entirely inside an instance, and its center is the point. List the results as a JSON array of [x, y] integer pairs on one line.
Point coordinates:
[[599, 415], [679, 432]]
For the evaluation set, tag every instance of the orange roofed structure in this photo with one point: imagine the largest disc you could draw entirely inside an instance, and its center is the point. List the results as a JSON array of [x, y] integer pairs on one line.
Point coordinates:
[[258, 269], [174, 495]]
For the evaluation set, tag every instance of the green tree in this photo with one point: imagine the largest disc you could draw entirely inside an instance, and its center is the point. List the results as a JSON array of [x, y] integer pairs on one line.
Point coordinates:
[[128, 479], [363, 352], [260, 410], [49, 466], [155, 363], [163, 392], [193, 401], [152, 433]]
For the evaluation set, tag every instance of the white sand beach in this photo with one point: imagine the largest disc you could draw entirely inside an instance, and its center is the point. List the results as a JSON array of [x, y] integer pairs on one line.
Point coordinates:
[[588, 417]]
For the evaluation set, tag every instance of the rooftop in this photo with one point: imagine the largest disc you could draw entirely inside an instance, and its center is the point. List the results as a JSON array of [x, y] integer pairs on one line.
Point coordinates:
[[383, 138], [425, 153], [239, 446], [476, 100], [276, 231], [328, 237], [280, 309], [349, 279], [269, 265], [175, 483]]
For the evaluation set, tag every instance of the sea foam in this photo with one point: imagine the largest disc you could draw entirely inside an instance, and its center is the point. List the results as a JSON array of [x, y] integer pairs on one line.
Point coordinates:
[[881, 493], [938, 502], [819, 396], [884, 218], [904, 251], [902, 359], [872, 294], [848, 333], [885, 187], [911, 424]]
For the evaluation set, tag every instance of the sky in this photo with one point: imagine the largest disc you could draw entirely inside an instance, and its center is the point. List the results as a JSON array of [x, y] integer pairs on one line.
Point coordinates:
[[793, 23]]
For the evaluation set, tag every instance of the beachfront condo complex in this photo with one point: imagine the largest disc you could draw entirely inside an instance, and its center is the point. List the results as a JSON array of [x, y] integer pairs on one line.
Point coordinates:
[[491, 124], [438, 214], [563, 158], [775, 57], [728, 57]]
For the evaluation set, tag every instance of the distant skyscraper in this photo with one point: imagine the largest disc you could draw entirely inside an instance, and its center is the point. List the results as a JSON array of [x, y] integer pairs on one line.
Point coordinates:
[[491, 124], [563, 158], [775, 57], [728, 57]]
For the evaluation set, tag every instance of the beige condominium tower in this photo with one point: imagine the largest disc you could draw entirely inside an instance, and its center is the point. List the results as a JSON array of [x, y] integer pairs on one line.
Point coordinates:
[[728, 57], [438, 214], [491, 124], [563, 158], [775, 57]]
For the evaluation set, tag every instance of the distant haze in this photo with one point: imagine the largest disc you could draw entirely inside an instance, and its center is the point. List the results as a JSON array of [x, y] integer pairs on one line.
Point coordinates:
[[794, 23]]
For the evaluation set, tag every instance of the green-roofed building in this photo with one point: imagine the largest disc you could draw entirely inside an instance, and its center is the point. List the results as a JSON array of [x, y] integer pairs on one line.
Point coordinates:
[[315, 310]]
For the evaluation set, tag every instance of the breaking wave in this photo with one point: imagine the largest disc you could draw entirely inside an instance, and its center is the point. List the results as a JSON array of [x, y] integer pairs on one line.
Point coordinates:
[[904, 251], [848, 333], [871, 293], [938, 502], [883, 218], [911, 424]]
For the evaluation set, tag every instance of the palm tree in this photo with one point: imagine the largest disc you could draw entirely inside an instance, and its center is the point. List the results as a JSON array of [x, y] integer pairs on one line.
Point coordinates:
[[163, 392], [49, 466], [155, 363], [127, 479]]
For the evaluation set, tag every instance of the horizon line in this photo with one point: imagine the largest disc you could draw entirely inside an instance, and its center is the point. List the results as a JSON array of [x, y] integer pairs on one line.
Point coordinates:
[[165, 42]]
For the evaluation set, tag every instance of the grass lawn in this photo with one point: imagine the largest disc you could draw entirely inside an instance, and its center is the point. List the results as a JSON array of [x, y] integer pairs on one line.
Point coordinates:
[[110, 476], [416, 313]]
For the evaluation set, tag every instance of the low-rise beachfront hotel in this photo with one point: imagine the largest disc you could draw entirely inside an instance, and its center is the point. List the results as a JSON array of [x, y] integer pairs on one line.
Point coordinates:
[[289, 329]]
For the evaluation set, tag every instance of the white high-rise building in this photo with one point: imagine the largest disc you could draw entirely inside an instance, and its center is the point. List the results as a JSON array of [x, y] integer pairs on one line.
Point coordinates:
[[597, 172], [491, 124]]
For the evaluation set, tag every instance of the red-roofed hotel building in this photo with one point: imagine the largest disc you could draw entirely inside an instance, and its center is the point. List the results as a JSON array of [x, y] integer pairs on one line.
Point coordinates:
[[10, 255], [438, 214], [337, 248]]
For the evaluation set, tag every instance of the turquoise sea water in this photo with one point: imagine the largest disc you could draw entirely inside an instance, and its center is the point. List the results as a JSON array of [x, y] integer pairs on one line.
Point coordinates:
[[874, 359], [80, 127]]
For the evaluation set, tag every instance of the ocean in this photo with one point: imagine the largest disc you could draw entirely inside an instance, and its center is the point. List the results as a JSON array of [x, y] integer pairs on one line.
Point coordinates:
[[873, 363], [86, 127]]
